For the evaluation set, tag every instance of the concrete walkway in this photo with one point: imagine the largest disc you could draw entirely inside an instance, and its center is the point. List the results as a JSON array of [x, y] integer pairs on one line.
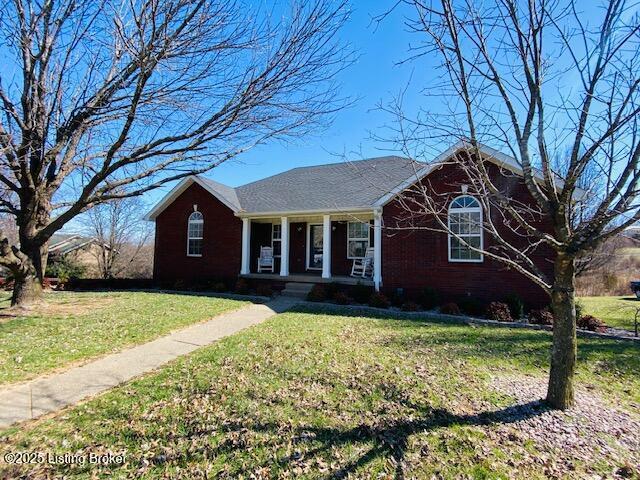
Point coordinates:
[[53, 392]]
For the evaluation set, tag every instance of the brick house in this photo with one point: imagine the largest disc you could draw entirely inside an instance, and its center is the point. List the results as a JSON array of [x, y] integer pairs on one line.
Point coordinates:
[[206, 230]]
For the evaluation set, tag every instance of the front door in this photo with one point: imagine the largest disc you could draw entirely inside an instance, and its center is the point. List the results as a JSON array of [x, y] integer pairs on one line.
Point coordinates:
[[314, 255]]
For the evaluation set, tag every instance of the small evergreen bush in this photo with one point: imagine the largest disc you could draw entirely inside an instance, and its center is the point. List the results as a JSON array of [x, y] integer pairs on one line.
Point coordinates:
[[516, 306], [65, 268], [429, 298], [472, 306]]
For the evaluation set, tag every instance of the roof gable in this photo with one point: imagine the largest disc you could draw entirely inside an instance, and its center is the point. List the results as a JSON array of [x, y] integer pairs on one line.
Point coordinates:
[[222, 192], [494, 156]]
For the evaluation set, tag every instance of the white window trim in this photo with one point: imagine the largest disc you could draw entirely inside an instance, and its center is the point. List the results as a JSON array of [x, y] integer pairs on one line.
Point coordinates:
[[273, 225], [189, 222], [360, 239], [451, 236]]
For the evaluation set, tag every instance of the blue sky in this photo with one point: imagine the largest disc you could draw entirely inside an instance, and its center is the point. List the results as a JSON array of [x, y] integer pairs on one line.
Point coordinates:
[[375, 77]]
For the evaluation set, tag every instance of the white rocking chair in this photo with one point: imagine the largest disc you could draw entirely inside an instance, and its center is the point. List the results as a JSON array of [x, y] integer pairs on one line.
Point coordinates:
[[363, 267], [265, 262]]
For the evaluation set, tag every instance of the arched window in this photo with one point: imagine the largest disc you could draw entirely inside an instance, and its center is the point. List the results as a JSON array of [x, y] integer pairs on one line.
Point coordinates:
[[195, 234], [465, 226]]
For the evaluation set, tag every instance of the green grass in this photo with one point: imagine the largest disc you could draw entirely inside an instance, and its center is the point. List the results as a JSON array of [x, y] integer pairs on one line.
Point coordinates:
[[73, 327], [326, 396], [618, 312]]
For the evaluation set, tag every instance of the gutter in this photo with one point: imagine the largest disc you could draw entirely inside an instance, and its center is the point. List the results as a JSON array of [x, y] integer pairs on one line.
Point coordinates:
[[303, 213]]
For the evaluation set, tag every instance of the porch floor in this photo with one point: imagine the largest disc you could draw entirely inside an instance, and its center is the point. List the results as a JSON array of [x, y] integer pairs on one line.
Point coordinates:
[[310, 278]]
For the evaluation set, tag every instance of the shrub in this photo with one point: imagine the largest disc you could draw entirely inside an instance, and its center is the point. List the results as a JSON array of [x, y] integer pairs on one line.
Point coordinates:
[[450, 308], [317, 294], [379, 300], [342, 298], [499, 311], [472, 306], [541, 317], [410, 307], [65, 268], [219, 287], [429, 298], [242, 287], [591, 323], [180, 284], [516, 306], [332, 289], [361, 293], [397, 298], [264, 290]]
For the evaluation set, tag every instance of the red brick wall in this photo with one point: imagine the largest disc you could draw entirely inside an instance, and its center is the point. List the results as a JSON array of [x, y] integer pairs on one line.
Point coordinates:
[[413, 259], [222, 240]]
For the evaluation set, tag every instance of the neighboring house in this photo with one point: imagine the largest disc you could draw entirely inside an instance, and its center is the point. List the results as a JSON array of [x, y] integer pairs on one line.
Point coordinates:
[[206, 230], [83, 250]]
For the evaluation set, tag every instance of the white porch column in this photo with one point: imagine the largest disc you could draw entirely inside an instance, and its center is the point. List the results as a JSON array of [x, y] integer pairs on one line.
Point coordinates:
[[326, 246], [246, 246], [284, 247], [377, 249]]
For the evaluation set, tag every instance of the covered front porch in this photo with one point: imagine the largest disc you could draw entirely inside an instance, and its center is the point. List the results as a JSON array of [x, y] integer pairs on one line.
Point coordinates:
[[318, 247], [302, 278]]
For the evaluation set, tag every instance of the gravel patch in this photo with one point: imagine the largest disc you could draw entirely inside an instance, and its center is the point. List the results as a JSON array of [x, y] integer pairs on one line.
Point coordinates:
[[589, 432]]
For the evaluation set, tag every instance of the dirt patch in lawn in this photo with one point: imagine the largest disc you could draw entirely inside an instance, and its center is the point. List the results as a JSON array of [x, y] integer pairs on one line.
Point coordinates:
[[77, 306], [589, 432]]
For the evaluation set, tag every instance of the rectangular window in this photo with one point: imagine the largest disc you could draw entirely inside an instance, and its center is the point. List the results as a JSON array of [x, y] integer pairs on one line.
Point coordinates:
[[276, 240], [195, 235], [195, 247], [357, 239], [468, 228]]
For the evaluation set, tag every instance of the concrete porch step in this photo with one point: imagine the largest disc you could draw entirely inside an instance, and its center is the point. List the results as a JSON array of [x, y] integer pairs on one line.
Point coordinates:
[[298, 290]]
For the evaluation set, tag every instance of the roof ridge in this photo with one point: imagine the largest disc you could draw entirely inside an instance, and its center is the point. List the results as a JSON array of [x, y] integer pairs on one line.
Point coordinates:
[[346, 162]]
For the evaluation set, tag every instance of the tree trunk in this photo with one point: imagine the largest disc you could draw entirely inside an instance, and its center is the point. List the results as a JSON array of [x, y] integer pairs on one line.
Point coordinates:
[[27, 290], [560, 392], [29, 276]]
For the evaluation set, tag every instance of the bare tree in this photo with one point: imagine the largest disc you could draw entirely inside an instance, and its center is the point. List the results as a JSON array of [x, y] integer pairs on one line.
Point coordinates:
[[121, 235], [533, 79], [113, 98]]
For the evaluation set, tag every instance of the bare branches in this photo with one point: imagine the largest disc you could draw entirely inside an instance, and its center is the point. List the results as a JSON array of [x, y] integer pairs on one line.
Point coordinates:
[[558, 92], [115, 98]]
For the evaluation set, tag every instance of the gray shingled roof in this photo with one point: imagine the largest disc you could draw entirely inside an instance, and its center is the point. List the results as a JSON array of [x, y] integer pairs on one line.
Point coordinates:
[[63, 243], [347, 185], [227, 193]]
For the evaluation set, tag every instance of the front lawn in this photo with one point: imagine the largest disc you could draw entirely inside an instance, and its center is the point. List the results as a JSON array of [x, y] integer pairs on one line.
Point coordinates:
[[309, 395], [617, 312], [73, 327]]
